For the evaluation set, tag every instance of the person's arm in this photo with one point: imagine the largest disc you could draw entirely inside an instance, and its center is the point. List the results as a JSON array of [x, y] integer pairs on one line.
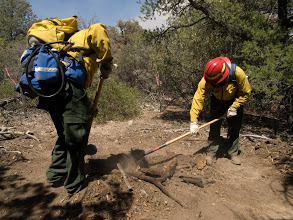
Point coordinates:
[[99, 41], [96, 39]]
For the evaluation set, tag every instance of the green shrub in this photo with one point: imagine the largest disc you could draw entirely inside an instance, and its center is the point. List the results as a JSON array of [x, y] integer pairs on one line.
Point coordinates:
[[117, 102], [6, 89]]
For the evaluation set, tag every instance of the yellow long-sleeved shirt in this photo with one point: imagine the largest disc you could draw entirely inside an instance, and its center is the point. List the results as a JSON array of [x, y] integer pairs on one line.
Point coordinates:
[[240, 90], [95, 38]]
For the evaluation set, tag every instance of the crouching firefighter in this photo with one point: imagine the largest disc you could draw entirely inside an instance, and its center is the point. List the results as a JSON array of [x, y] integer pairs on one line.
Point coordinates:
[[229, 88], [64, 95]]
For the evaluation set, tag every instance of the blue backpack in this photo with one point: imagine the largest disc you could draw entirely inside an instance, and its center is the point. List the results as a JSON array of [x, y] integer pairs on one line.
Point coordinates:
[[44, 72], [232, 75]]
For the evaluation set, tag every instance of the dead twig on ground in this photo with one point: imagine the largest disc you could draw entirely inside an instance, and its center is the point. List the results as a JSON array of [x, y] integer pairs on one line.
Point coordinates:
[[255, 136], [13, 134], [29, 134], [189, 167], [10, 151], [251, 136], [200, 182], [161, 176], [194, 180]]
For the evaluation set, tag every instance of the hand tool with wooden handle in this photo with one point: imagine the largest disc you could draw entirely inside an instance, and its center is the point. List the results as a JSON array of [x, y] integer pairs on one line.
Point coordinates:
[[182, 136], [96, 100]]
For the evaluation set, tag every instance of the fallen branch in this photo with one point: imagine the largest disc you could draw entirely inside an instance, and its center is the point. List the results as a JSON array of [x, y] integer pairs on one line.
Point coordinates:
[[10, 151], [184, 167], [124, 177], [255, 136], [200, 182], [157, 183], [194, 180], [13, 134], [170, 169], [31, 136], [155, 173], [163, 174]]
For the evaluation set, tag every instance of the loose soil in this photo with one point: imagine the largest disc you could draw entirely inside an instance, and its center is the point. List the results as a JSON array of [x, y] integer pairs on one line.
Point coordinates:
[[261, 188]]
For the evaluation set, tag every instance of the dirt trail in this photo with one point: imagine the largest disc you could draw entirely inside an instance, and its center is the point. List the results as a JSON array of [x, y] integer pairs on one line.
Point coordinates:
[[258, 189]]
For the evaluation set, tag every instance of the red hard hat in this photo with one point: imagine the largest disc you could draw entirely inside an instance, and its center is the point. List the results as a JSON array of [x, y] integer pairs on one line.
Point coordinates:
[[217, 70]]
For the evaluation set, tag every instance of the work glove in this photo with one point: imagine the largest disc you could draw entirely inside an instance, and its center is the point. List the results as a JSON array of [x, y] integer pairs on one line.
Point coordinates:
[[232, 111], [194, 127], [106, 69]]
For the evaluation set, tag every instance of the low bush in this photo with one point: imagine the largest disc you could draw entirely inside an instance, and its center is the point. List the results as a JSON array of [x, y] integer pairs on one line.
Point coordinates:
[[117, 101], [6, 89]]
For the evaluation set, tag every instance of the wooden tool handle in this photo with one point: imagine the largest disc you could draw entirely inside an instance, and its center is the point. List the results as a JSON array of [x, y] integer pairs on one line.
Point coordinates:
[[202, 126], [67, 47], [96, 100]]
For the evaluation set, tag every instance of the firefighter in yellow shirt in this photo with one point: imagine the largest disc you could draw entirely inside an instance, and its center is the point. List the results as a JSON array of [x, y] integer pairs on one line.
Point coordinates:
[[228, 94]]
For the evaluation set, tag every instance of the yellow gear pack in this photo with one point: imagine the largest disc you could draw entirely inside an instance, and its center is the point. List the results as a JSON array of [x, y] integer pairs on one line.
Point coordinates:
[[53, 30], [88, 48]]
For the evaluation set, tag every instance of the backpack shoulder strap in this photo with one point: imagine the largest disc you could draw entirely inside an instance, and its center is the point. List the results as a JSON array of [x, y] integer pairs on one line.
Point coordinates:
[[83, 52], [232, 75]]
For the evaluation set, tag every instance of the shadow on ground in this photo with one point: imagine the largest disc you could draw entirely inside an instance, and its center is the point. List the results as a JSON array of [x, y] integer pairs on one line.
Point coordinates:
[[274, 125], [22, 201], [101, 167], [288, 188], [36, 201], [178, 116]]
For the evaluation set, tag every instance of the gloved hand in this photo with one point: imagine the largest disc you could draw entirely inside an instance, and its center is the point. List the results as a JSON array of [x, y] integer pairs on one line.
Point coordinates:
[[194, 127], [106, 69], [232, 111]]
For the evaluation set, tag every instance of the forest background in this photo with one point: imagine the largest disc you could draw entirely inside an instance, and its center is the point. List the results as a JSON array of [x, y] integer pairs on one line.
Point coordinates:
[[164, 65]]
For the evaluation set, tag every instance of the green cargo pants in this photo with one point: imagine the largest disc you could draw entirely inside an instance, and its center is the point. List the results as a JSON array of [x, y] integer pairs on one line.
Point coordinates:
[[70, 113], [217, 109]]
